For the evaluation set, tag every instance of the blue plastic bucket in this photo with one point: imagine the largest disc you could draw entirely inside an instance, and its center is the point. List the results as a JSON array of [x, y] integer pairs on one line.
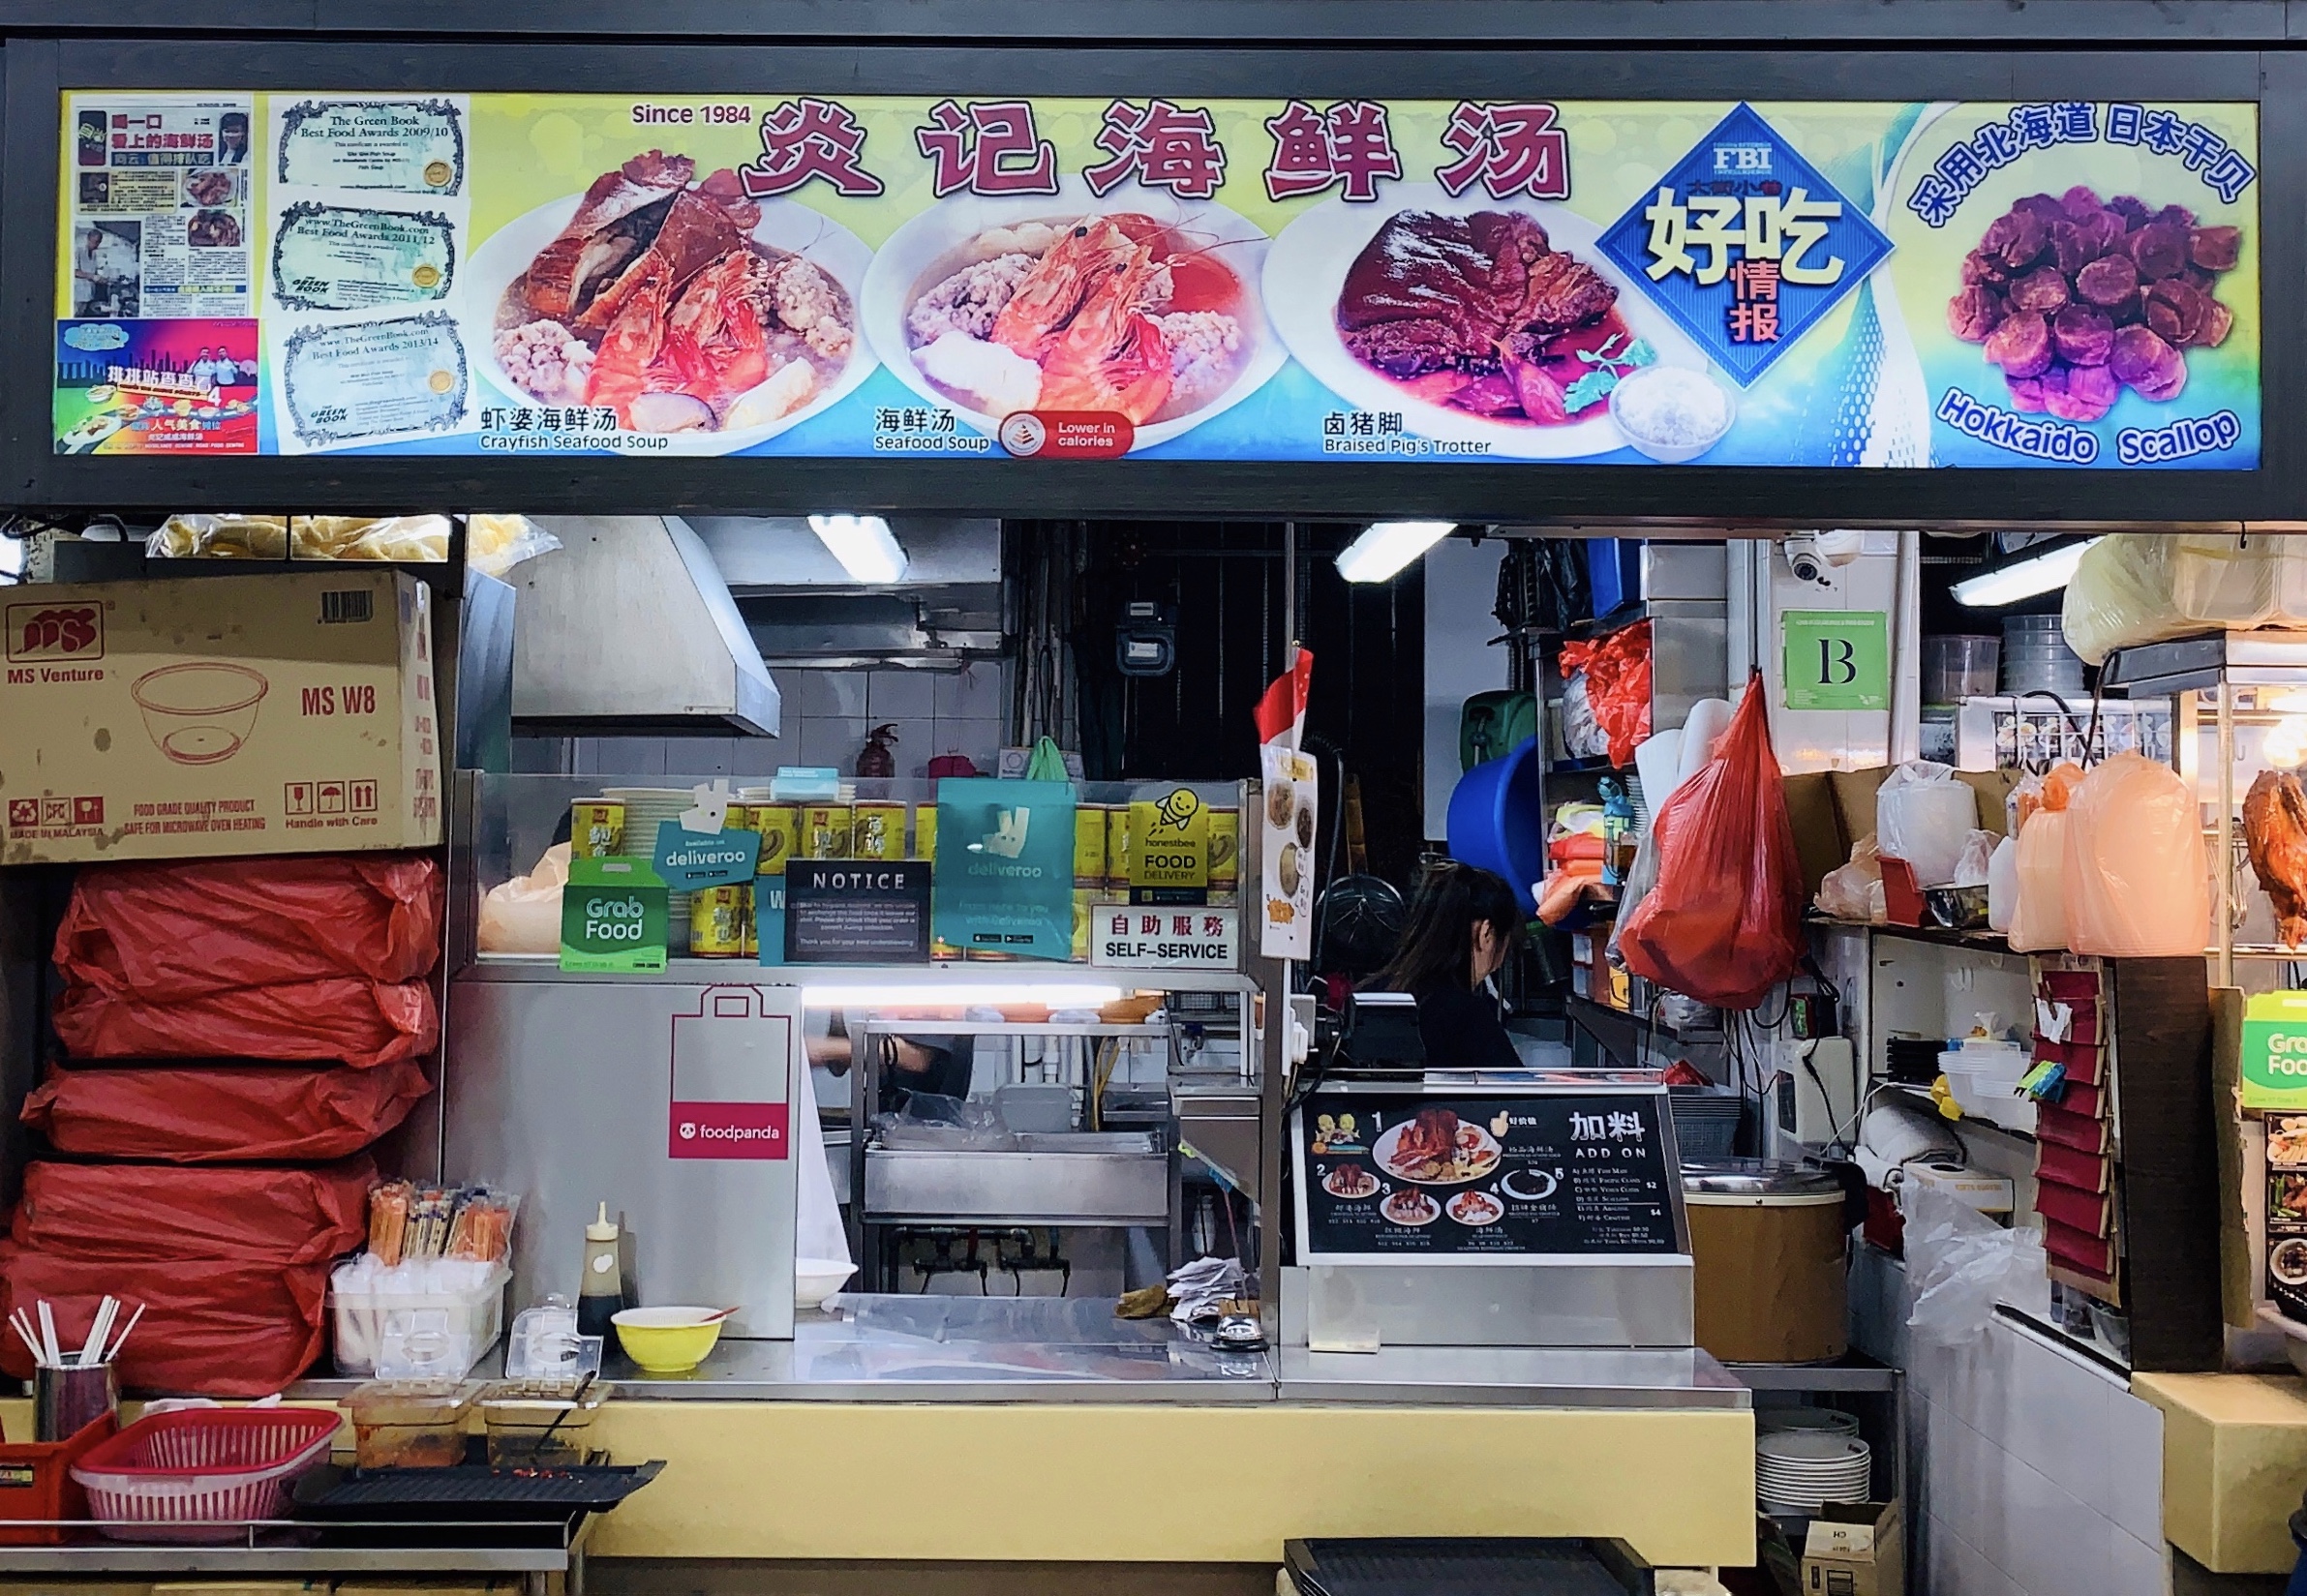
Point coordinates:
[[1498, 821]]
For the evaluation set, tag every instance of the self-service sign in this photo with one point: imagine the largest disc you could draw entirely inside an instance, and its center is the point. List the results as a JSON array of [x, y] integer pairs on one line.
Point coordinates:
[[1148, 937], [2275, 1051], [733, 1073]]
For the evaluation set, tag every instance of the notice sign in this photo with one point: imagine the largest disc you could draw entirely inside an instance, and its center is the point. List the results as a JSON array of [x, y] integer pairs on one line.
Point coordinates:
[[612, 916], [2275, 1051], [1419, 1175], [857, 911], [1838, 659], [1130, 936]]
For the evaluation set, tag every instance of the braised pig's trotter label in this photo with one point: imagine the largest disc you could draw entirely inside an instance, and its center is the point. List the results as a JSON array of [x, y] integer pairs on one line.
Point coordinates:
[[409, 146], [328, 257]]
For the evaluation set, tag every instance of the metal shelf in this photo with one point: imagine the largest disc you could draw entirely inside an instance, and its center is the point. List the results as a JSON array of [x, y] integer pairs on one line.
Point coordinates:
[[959, 977], [277, 1548], [1922, 1094]]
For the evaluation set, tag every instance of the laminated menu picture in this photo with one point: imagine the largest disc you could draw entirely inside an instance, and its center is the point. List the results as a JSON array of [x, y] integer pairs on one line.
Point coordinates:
[[2287, 1213], [1291, 805]]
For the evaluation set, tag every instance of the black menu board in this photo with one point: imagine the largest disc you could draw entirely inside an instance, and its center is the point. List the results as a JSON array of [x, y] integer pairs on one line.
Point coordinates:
[[1415, 1174]]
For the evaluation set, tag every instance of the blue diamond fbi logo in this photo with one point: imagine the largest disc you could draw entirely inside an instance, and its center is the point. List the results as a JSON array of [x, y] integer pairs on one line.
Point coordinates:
[[1744, 244]]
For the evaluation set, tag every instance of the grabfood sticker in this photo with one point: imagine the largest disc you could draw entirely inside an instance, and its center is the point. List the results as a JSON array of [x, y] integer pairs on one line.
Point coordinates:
[[331, 257], [375, 380], [411, 146]]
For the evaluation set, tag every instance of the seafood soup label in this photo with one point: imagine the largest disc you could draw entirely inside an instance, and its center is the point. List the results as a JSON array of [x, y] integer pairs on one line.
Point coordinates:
[[1843, 285], [1386, 1174]]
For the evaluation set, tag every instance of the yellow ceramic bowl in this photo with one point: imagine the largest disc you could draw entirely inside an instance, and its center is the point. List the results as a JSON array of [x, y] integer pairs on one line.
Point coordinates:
[[666, 1341]]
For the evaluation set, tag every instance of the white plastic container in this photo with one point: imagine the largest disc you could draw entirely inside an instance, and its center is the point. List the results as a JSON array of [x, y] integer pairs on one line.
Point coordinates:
[[433, 1332]]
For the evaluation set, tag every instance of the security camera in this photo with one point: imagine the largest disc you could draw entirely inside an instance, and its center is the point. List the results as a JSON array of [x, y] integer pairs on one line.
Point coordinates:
[[1812, 555]]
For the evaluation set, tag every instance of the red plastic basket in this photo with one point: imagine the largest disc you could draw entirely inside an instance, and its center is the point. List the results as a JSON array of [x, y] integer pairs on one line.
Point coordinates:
[[201, 1474]]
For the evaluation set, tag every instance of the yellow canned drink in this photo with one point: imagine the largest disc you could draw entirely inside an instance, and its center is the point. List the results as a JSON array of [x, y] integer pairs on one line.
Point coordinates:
[[925, 832], [1085, 899], [780, 825], [1089, 844], [595, 828], [1117, 845], [753, 924], [825, 830], [718, 918], [877, 831], [1225, 849]]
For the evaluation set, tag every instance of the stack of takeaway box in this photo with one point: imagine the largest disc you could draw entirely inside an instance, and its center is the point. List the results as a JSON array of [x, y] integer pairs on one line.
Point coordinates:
[[242, 771]]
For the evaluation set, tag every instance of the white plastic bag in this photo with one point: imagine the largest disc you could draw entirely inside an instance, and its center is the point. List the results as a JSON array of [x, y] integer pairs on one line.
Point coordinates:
[[1977, 852], [523, 915], [1959, 1263], [2133, 587], [1852, 891], [2137, 883], [1922, 815], [2002, 885]]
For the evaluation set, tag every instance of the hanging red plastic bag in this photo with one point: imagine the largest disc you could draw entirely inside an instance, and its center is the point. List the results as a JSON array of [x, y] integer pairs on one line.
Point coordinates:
[[362, 1023], [210, 1328], [222, 1115], [2137, 881], [166, 932], [1724, 923], [156, 1213], [1618, 685]]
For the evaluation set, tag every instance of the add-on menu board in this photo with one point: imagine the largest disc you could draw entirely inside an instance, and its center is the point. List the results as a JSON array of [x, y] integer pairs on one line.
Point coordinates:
[[1419, 1175]]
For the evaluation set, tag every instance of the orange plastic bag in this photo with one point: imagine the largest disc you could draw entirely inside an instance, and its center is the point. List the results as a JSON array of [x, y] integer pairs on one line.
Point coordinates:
[[229, 1115], [2039, 920], [362, 1023], [155, 1214], [1724, 923], [165, 932], [2137, 883]]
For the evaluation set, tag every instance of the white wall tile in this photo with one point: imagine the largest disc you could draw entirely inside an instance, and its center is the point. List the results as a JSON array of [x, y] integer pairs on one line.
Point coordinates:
[[900, 695], [1959, 1569], [825, 693], [761, 756], [2059, 1417], [700, 757], [629, 756], [2134, 1466], [832, 741], [2136, 1568], [977, 691], [980, 739], [1964, 1479], [2051, 1544]]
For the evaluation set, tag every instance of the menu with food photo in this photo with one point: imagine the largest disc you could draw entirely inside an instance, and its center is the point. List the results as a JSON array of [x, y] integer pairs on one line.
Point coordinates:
[[1167, 277], [1540, 1173]]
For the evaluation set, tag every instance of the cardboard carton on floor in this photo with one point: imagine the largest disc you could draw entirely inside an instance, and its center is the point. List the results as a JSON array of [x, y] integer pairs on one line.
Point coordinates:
[[1853, 1549], [179, 719]]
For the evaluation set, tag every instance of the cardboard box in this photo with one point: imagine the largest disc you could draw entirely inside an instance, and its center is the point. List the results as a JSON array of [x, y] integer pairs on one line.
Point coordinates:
[[1832, 810], [187, 719], [1854, 1550]]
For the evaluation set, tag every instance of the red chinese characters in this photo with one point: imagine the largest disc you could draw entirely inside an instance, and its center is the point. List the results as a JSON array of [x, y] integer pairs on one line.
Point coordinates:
[[810, 140], [1508, 148], [1752, 314], [1163, 146], [986, 147], [1349, 144]]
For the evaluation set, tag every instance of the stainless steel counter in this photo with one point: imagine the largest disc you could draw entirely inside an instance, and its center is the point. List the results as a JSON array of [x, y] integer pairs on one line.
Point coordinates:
[[1062, 1349]]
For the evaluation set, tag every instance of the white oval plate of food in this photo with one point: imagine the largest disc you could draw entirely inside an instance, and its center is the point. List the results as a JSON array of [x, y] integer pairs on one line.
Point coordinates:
[[716, 419], [1475, 1209], [938, 295], [1349, 1181], [1306, 275], [1409, 1207], [1474, 1155]]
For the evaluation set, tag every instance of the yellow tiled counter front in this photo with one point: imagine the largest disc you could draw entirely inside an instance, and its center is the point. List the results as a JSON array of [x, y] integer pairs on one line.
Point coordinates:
[[2235, 1462], [1166, 1483]]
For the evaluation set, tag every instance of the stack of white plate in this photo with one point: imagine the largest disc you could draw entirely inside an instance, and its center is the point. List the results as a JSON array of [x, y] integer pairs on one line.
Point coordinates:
[[644, 808], [1802, 1470], [1832, 1421]]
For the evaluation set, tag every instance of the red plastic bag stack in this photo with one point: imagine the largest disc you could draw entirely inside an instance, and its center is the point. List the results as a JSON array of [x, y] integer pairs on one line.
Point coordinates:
[[1724, 923], [1618, 685], [288, 998]]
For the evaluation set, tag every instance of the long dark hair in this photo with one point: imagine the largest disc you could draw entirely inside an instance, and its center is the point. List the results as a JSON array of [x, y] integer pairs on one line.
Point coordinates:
[[1438, 945]]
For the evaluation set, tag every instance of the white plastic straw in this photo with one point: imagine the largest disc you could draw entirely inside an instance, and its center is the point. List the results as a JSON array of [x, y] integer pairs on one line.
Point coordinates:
[[123, 1339], [106, 1311], [47, 1336], [16, 1323]]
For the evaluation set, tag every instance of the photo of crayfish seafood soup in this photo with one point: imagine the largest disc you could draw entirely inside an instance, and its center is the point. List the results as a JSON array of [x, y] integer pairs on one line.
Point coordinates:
[[657, 301], [1119, 313]]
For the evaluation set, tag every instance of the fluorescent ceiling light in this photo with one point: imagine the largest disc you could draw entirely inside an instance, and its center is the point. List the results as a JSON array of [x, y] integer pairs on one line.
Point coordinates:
[[946, 994], [2025, 577], [1385, 547], [868, 550]]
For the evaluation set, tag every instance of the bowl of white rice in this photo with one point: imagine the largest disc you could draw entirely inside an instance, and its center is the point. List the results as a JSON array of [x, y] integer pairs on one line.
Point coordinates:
[[1671, 413]]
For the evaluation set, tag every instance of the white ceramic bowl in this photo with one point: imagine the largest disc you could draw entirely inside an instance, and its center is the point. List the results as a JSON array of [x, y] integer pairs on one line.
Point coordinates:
[[816, 1278], [1672, 454]]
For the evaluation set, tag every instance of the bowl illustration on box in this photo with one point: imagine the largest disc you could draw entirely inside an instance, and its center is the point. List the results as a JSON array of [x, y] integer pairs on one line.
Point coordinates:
[[200, 713]]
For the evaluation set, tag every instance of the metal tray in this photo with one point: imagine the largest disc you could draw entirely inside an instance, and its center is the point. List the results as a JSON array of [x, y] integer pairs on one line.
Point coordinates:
[[469, 1494]]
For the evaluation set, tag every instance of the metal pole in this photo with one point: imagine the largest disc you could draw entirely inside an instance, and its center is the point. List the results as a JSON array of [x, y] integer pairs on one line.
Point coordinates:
[[1289, 638]]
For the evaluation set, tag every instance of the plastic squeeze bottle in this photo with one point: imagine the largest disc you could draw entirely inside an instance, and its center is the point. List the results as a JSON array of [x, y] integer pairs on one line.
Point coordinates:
[[600, 1292]]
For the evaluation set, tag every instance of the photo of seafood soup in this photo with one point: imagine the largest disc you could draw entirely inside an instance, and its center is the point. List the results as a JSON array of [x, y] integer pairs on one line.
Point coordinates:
[[1119, 313], [656, 300]]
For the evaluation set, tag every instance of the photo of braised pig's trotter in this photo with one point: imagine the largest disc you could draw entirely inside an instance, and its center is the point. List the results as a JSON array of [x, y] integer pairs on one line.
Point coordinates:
[[2076, 299]]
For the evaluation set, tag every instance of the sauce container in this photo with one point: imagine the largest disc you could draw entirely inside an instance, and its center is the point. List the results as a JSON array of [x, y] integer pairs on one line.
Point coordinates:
[[540, 1423], [1225, 849], [925, 832], [780, 825], [1117, 845], [410, 1423]]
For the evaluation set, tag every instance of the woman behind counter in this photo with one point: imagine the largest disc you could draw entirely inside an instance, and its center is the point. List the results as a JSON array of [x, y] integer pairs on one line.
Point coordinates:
[[1463, 925]]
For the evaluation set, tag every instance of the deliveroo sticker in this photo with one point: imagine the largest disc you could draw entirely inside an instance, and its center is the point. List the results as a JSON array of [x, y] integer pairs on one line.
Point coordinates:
[[688, 860]]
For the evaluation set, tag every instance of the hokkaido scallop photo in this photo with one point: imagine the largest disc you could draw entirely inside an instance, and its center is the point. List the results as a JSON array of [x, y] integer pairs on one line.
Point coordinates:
[[1491, 322], [1139, 304], [707, 318]]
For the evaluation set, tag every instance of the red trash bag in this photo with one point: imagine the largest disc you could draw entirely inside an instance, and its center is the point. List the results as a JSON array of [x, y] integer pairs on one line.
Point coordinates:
[[222, 1114], [210, 1328], [347, 1020], [155, 1213], [166, 932], [1618, 685], [1724, 923]]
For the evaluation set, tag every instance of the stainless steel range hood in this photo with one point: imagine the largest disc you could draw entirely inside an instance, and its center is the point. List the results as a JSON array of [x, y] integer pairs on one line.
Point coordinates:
[[803, 610], [628, 629]]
